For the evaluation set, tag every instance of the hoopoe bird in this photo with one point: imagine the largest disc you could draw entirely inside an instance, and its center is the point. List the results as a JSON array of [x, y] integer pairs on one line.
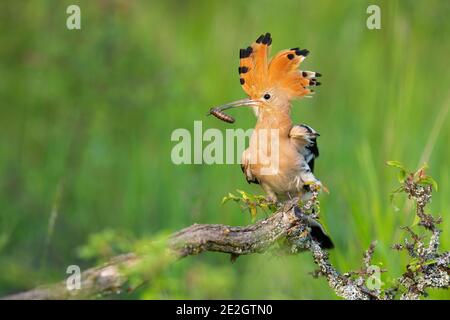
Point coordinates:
[[276, 142], [281, 155]]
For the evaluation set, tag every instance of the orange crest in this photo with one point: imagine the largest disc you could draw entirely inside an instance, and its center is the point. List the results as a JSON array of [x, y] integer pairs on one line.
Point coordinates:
[[258, 74]]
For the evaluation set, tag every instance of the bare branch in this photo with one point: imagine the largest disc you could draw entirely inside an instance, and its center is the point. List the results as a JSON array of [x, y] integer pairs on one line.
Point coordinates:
[[198, 238], [293, 227]]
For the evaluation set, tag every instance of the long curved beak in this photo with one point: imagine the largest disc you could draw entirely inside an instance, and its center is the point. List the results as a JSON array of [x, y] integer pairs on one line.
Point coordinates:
[[238, 103]]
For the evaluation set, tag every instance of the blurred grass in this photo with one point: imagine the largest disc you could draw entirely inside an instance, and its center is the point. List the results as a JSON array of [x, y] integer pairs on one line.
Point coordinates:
[[86, 118]]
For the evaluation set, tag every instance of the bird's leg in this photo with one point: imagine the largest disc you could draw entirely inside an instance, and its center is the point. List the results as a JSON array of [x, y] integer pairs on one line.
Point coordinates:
[[311, 188], [292, 202]]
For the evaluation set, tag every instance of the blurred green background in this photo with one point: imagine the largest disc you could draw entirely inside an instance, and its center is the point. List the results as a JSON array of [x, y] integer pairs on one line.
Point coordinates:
[[86, 118]]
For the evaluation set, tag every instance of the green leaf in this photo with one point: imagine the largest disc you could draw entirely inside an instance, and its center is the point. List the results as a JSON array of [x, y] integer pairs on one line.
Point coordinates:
[[427, 180], [414, 264], [244, 194], [229, 197], [401, 175], [416, 221], [432, 261], [395, 164], [253, 213]]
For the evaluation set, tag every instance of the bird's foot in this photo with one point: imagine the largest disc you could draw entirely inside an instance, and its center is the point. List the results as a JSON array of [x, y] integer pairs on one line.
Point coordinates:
[[314, 186]]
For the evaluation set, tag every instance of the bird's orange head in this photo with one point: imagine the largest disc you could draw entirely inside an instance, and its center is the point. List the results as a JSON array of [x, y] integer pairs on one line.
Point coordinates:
[[275, 82]]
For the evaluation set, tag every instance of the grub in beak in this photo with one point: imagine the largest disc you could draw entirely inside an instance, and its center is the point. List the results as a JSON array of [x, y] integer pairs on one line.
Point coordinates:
[[219, 114]]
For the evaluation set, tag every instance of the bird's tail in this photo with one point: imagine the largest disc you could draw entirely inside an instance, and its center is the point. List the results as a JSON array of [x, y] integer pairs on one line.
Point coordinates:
[[318, 232]]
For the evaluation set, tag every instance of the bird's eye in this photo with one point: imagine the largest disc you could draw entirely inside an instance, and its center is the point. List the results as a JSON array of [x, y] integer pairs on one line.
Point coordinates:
[[267, 96]]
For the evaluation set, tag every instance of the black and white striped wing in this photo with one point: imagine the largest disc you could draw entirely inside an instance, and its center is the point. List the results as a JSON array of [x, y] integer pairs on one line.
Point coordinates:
[[305, 139]]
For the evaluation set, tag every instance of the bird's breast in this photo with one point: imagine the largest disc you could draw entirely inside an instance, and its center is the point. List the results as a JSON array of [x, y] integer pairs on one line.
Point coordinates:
[[275, 161]]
